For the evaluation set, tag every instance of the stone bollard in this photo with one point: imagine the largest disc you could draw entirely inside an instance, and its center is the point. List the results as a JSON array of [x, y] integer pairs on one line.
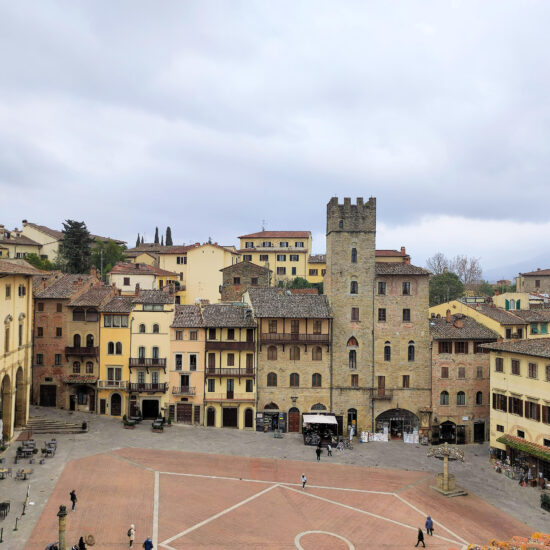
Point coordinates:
[[62, 515]]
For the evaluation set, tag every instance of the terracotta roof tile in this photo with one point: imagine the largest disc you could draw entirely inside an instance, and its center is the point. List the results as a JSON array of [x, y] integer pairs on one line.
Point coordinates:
[[533, 315], [317, 259], [536, 272], [80, 379], [255, 268], [18, 267], [21, 240], [129, 268], [118, 304], [188, 316], [397, 268], [58, 235], [538, 347], [519, 443], [497, 314], [277, 234], [227, 315], [384, 253], [93, 297], [154, 297], [65, 286], [471, 329], [276, 302]]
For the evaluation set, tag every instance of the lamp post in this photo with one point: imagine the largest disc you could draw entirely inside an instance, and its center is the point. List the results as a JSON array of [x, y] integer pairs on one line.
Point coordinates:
[[62, 514]]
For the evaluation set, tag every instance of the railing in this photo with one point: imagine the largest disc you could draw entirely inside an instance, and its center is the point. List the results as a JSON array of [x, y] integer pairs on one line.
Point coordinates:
[[183, 390], [229, 396], [290, 338], [382, 393], [149, 387], [116, 384], [229, 372], [147, 362], [217, 345], [77, 350]]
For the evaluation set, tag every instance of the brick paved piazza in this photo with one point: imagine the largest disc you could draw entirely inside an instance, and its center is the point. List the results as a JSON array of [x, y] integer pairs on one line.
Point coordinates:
[[193, 487]]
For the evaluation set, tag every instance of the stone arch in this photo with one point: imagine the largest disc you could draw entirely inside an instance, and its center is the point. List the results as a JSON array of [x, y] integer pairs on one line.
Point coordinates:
[[318, 407], [6, 408], [272, 406], [20, 399], [352, 342]]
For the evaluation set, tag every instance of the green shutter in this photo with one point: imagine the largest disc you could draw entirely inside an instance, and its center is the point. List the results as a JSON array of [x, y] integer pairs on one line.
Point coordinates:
[[507, 304], [518, 304]]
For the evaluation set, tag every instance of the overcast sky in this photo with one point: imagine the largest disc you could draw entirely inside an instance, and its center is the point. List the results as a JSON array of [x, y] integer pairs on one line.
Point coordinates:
[[213, 116]]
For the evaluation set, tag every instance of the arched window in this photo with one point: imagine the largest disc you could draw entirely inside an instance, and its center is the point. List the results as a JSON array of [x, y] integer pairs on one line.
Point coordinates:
[[512, 304], [317, 353], [354, 287], [272, 406], [272, 380], [89, 367], [352, 359], [118, 348], [318, 407], [141, 352], [294, 353], [141, 327], [461, 398], [410, 351], [76, 340], [479, 398], [272, 353], [155, 352], [294, 380], [354, 255], [111, 348], [316, 380], [387, 351], [90, 341], [78, 314], [76, 367], [444, 398], [352, 342], [155, 329]]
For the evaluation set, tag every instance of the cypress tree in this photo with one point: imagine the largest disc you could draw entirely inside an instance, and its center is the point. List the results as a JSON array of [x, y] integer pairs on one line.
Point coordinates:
[[169, 237], [162, 240], [156, 235], [142, 239], [74, 249], [137, 241]]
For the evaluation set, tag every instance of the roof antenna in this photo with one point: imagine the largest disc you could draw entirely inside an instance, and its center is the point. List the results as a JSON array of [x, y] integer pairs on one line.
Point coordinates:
[[263, 225]]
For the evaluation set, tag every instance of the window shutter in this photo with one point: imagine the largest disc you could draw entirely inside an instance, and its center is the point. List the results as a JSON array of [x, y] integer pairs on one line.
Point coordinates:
[[440, 347], [521, 407], [510, 404], [507, 304], [494, 400], [465, 347], [538, 413], [518, 304]]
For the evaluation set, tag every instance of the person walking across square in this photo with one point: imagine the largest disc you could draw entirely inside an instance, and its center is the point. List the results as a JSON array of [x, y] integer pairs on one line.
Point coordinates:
[[148, 544], [132, 535], [318, 453], [73, 498], [420, 538], [304, 481], [429, 526], [329, 450]]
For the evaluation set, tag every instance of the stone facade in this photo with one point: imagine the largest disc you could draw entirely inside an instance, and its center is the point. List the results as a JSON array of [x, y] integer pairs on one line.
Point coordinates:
[[239, 277], [534, 281]]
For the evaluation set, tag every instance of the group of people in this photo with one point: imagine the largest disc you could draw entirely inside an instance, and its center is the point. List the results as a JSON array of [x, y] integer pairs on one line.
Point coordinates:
[[429, 529]]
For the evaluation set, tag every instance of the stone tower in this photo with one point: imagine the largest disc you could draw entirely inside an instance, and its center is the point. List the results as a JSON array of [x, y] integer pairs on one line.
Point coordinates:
[[349, 286]]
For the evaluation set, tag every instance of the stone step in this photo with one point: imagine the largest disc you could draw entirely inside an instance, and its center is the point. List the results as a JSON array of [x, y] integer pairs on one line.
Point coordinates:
[[41, 425]]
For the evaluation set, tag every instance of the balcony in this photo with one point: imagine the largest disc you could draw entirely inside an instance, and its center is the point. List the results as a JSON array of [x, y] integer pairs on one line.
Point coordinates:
[[230, 396], [237, 346], [290, 338], [210, 371], [183, 390], [147, 362], [81, 352], [113, 384], [148, 388], [382, 393]]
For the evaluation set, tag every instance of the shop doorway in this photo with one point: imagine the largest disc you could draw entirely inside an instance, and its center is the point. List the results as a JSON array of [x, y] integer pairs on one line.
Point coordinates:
[[102, 406], [230, 417], [248, 418], [397, 422], [185, 412], [479, 432], [294, 420], [461, 435], [352, 419], [20, 400], [150, 408], [211, 417], [5, 402], [116, 405], [447, 432], [47, 396]]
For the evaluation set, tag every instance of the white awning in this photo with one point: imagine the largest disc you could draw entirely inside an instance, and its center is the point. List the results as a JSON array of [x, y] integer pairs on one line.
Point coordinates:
[[318, 419]]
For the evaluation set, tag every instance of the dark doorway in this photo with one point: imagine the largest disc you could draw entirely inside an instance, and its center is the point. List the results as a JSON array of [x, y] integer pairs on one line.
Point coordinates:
[[397, 422], [150, 408], [102, 406], [460, 435], [248, 418], [352, 418], [211, 417], [294, 420], [116, 404], [479, 432], [230, 417], [47, 396], [447, 432], [197, 414], [185, 411]]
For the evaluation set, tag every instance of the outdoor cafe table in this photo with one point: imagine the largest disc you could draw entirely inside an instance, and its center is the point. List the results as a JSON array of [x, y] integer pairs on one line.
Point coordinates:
[[26, 473], [3, 473]]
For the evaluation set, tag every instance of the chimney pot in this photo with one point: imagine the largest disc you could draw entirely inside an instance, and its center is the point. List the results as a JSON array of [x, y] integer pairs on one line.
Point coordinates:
[[448, 316], [137, 289]]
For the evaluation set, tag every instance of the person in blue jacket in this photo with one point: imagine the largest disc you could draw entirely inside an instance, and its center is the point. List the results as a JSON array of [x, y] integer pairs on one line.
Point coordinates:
[[429, 526]]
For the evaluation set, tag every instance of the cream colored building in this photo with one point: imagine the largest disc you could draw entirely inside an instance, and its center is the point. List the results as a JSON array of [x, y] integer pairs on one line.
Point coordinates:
[[126, 275], [13, 244]]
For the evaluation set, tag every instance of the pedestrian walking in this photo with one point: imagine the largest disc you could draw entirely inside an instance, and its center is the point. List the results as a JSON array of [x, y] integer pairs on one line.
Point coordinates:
[[429, 526], [148, 543], [73, 498], [420, 538], [132, 535], [81, 544], [318, 453], [329, 450], [304, 481]]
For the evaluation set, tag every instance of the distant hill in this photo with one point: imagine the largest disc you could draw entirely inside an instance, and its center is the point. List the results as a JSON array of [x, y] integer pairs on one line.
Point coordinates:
[[511, 271]]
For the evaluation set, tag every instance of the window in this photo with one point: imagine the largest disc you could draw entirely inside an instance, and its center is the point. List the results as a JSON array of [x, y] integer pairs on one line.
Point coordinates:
[[58, 332], [548, 373], [181, 260], [272, 380], [247, 257], [534, 328], [89, 340], [231, 334], [230, 359], [78, 314], [499, 364], [179, 334], [39, 305], [178, 361], [316, 380], [249, 244], [500, 428], [462, 372], [508, 333], [141, 377], [461, 398], [264, 258], [341, 224], [479, 372], [193, 335], [272, 326], [406, 288], [515, 404], [354, 380], [520, 332], [155, 329], [39, 332], [355, 314], [317, 353], [381, 288], [499, 402], [111, 348], [406, 380], [142, 328], [313, 272], [294, 326], [8, 296], [249, 386], [515, 367], [406, 315], [294, 353], [387, 351], [281, 257], [294, 258], [281, 271], [532, 411], [141, 352], [381, 314], [445, 347], [211, 385], [352, 360], [479, 398], [283, 244], [193, 361], [323, 272], [92, 315], [116, 321], [57, 360], [266, 244], [39, 359], [211, 333], [155, 352], [59, 307], [118, 348], [294, 380], [533, 370], [22, 290], [354, 255], [461, 347], [236, 280], [479, 349], [444, 398], [293, 271], [89, 367], [299, 244], [410, 351], [354, 287], [317, 326], [272, 353], [521, 434], [126, 281], [254, 281], [107, 320], [76, 367], [537, 283], [444, 372]]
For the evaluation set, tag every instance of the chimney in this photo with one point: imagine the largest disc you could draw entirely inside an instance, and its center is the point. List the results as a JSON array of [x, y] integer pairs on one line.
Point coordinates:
[[137, 290], [403, 252], [458, 323], [500, 339], [24, 222], [1, 231], [538, 268], [448, 316], [93, 272]]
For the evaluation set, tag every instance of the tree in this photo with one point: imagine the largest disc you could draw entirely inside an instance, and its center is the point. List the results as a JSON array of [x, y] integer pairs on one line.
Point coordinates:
[[39, 263], [156, 235], [438, 263], [74, 250], [467, 268], [162, 240], [445, 287], [485, 289], [142, 239], [112, 254], [169, 237], [137, 241]]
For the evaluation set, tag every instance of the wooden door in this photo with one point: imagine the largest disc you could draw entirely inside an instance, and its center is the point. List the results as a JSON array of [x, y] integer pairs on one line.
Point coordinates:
[[102, 406], [230, 417], [197, 414], [47, 396], [116, 404], [230, 388], [294, 421], [381, 386], [211, 416], [185, 412], [249, 418]]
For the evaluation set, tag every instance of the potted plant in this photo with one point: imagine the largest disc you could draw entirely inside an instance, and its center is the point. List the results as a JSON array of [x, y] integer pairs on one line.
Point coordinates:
[[124, 419], [545, 501], [35, 451], [169, 422]]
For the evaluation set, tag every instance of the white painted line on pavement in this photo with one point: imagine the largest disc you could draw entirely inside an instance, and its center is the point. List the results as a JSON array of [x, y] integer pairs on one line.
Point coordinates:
[[156, 510]]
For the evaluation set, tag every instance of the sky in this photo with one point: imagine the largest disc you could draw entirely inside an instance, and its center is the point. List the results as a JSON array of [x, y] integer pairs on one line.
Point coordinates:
[[218, 118]]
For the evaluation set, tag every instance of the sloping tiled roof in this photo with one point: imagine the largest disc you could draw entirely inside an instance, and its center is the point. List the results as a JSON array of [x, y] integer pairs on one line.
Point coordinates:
[[276, 302], [497, 314], [93, 297], [58, 235], [385, 253], [317, 259], [248, 265], [154, 297], [227, 315], [65, 286], [277, 234], [118, 304], [471, 329], [533, 315], [538, 347], [396, 268], [527, 446], [18, 267], [128, 268], [156, 248], [80, 379], [537, 272], [188, 316], [21, 240]]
